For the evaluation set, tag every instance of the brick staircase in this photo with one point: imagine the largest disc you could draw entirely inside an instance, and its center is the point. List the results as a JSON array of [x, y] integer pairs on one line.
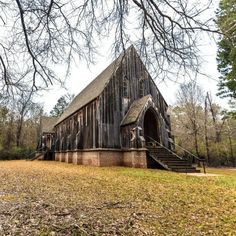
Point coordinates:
[[170, 161], [38, 155]]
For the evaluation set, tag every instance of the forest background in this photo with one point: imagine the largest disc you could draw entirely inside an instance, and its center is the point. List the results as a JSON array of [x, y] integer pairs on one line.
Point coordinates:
[[198, 124]]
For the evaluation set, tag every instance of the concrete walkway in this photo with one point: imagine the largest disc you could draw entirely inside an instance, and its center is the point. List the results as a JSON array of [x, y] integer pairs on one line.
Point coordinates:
[[202, 174]]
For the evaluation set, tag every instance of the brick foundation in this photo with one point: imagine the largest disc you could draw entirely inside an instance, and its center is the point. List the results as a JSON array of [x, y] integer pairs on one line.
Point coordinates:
[[76, 158], [135, 158], [68, 157], [40, 155], [62, 156], [110, 158], [105, 157], [57, 158]]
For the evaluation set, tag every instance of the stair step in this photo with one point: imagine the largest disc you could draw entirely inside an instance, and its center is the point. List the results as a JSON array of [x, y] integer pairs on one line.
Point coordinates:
[[162, 150], [164, 154], [186, 170], [170, 161], [168, 157], [180, 166], [177, 163]]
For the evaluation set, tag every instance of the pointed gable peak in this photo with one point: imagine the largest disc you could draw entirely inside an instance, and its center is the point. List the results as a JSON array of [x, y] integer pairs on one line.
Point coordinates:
[[95, 88]]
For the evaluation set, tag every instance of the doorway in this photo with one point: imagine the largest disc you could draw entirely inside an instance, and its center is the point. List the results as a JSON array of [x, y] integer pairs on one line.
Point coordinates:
[[151, 128], [151, 131]]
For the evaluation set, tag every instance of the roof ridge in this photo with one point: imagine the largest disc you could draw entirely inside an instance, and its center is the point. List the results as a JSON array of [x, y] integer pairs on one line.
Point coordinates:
[[93, 89], [135, 110]]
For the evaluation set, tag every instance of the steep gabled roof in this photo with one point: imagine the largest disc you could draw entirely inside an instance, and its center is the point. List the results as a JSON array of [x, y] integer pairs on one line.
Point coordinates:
[[92, 91], [135, 110], [47, 124], [96, 87]]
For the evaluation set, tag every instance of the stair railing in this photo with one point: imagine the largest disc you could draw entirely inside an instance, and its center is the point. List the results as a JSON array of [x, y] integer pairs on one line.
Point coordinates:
[[196, 157], [159, 144], [28, 157], [32, 153], [201, 160]]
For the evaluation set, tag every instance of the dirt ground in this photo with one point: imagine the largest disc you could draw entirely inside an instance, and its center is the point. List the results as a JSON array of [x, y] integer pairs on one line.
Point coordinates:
[[50, 198]]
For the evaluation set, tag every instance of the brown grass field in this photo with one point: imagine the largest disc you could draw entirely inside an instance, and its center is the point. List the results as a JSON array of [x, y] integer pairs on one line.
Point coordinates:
[[51, 198]]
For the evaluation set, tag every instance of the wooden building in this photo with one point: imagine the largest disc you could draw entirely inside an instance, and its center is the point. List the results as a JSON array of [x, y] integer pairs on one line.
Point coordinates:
[[46, 144], [47, 133], [116, 119]]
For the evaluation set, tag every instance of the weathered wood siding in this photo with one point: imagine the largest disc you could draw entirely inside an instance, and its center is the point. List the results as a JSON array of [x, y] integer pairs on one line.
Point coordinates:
[[130, 82], [80, 130], [97, 125]]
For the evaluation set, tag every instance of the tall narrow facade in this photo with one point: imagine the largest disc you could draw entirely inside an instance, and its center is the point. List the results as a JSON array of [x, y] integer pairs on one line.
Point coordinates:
[[114, 119]]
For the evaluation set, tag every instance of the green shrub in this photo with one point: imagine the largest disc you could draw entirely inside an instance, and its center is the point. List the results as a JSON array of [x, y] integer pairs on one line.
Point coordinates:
[[16, 153]]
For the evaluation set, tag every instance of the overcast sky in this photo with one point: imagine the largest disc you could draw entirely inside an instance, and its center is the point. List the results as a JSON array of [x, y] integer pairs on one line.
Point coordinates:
[[81, 75]]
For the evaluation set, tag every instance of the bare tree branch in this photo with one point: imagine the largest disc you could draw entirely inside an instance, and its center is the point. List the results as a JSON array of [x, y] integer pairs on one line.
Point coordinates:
[[41, 35]]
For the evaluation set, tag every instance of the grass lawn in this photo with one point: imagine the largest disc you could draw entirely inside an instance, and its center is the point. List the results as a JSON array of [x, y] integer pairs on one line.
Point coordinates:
[[51, 198]]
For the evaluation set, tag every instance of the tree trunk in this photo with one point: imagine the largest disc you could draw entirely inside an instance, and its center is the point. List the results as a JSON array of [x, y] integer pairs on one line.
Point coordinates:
[[217, 130], [196, 143], [9, 136], [206, 134], [231, 149], [19, 131]]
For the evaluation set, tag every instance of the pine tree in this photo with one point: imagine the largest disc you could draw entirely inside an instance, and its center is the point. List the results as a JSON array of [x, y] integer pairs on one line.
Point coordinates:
[[227, 48], [61, 105]]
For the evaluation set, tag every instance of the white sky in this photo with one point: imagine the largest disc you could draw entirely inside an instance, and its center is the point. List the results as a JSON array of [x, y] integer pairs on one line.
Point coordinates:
[[81, 76]]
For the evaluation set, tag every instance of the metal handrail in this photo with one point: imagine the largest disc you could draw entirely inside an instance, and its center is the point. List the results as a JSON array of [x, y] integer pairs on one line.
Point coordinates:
[[165, 148], [196, 157], [29, 155], [200, 160], [168, 150]]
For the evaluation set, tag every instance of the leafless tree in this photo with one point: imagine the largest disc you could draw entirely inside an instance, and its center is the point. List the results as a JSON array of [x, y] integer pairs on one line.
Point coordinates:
[[190, 98], [206, 137], [38, 35], [24, 106], [217, 125]]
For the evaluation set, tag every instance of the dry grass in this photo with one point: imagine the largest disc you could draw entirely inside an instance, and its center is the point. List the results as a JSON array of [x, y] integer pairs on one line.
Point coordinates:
[[51, 198]]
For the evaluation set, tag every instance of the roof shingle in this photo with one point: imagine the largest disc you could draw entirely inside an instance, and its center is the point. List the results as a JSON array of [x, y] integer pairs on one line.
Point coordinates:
[[135, 110], [47, 124], [92, 91]]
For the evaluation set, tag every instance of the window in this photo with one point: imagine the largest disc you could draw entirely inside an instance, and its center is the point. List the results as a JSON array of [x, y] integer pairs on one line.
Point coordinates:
[[125, 87], [79, 121], [71, 125], [86, 115], [60, 130], [141, 87], [64, 129]]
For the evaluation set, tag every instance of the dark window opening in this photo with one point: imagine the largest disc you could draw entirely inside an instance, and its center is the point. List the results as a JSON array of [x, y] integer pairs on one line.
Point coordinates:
[[141, 88], [125, 87]]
